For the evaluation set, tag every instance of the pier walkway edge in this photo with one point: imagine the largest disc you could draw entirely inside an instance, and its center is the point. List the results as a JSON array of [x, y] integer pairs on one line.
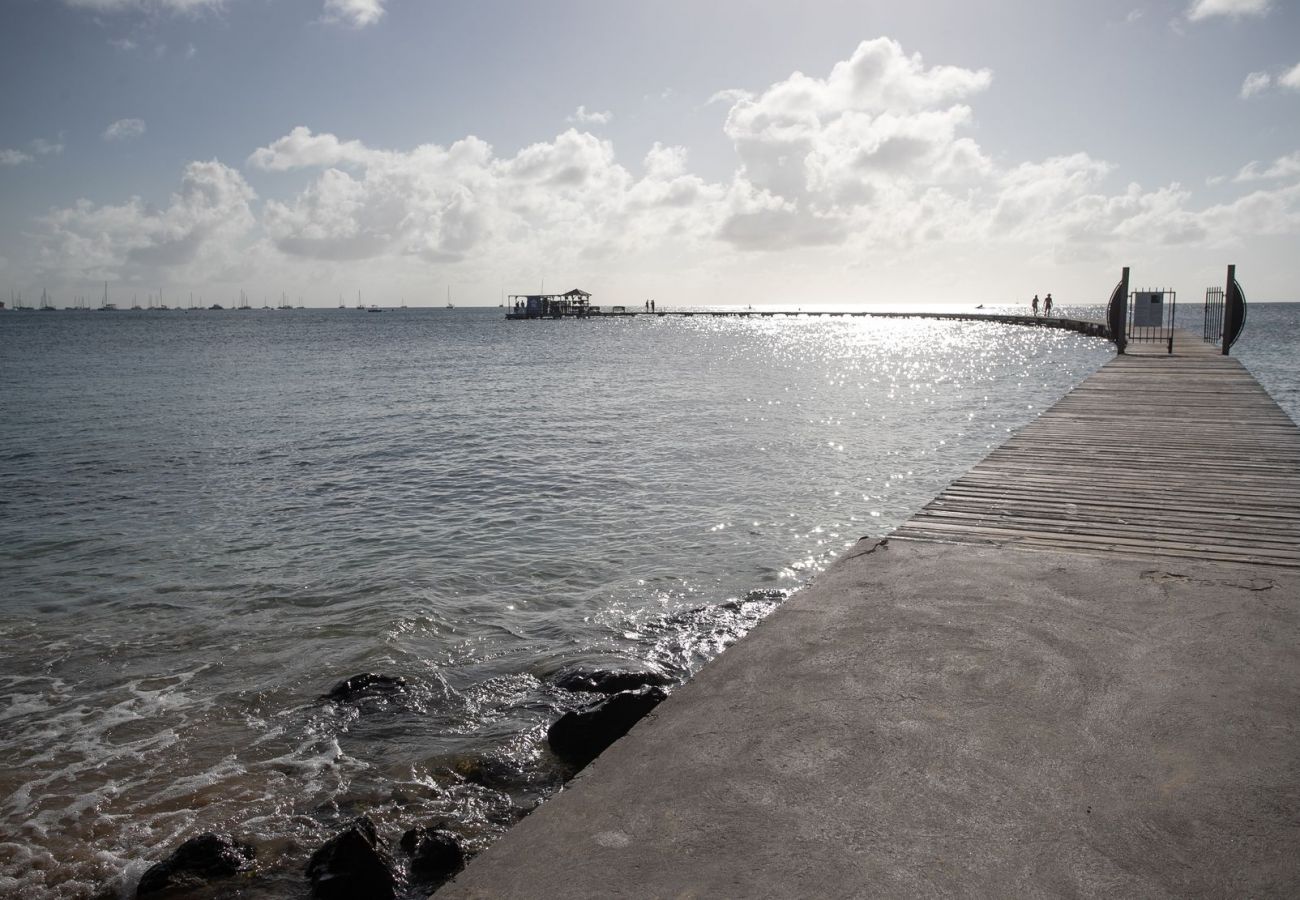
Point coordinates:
[[1076, 672]]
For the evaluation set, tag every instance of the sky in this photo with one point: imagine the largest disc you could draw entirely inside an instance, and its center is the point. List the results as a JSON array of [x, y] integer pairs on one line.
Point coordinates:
[[703, 152]]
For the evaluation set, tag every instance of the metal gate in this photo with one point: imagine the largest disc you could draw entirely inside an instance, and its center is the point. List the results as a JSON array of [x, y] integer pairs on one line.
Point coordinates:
[[1151, 316], [1225, 313], [1141, 316]]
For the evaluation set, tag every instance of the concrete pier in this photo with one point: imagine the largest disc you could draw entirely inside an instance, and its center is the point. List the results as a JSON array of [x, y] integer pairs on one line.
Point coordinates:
[[1005, 698]]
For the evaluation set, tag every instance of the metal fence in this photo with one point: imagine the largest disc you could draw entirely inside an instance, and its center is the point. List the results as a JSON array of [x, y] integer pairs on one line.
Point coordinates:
[[1151, 315]]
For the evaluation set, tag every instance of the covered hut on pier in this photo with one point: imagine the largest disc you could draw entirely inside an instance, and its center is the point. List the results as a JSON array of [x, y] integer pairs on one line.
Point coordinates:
[[574, 303]]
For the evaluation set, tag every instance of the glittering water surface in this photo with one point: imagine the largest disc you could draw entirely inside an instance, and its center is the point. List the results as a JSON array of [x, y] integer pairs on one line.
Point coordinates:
[[207, 519]]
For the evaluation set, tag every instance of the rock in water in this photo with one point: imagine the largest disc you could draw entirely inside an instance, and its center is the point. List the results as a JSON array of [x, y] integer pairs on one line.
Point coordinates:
[[365, 683], [609, 681], [579, 736], [353, 864], [194, 863], [435, 854]]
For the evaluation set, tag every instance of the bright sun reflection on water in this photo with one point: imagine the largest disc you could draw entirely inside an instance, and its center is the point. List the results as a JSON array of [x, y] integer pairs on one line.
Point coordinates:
[[249, 511]]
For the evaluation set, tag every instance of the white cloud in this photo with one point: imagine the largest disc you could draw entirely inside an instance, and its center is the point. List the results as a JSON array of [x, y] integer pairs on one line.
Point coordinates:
[[1255, 83], [127, 6], [42, 147], [300, 149], [1205, 9], [1291, 78], [871, 159], [200, 231], [873, 165], [126, 45], [730, 96], [124, 130], [874, 134], [1282, 167], [552, 200], [582, 117], [353, 13], [39, 147]]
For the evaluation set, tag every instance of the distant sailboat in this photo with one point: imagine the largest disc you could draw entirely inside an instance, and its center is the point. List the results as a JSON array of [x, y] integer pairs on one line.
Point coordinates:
[[450, 305], [46, 306], [104, 305]]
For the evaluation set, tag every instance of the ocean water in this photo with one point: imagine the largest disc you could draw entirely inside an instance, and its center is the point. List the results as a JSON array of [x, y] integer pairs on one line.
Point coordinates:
[[208, 519]]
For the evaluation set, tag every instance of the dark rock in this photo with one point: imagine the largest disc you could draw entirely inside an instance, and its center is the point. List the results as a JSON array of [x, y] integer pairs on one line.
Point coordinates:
[[354, 863], [579, 736], [609, 681], [436, 855], [366, 683], [488, 772], [196, 862]]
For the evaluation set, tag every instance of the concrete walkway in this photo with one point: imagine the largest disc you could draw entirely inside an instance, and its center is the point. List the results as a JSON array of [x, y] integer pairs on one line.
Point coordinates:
[[981, 711], [941, 720]]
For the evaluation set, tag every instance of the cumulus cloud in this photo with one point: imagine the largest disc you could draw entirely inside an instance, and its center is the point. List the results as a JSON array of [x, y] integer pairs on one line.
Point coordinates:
[[873, 161], [1282, 167], [300, 149], [1290, 79], [353, 13], [1206, 9], [14, 157], [124, 130], [1258, 82], [874, 133], [201, 226], [552, 199], [872, 157], [1255, 83], [582, 117]]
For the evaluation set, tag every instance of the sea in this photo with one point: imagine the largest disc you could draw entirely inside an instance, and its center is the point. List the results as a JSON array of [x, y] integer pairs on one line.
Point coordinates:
[[210, 518]]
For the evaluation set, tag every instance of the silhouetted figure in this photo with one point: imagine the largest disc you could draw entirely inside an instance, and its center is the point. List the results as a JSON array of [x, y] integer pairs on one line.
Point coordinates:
[[1034, 304], [1047, 305]]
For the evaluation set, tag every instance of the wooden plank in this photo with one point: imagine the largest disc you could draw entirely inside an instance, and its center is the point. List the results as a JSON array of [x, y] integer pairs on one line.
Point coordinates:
[[1183, 456]]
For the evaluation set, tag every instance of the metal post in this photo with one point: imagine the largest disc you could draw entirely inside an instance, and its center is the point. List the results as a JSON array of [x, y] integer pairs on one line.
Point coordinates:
[[1234, 310], [1117, 312]]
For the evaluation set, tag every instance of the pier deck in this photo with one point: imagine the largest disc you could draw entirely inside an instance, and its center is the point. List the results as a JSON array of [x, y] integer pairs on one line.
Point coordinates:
[[1083, 326], [1182, 455], [1075, 673]]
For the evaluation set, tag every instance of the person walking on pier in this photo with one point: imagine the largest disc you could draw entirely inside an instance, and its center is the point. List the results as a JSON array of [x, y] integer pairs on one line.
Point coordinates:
[[1047, 306], [1034, 304]]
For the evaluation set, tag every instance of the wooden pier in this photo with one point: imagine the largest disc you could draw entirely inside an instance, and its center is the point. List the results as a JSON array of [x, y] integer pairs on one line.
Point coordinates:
[[1173, 455], [1082, 326]]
